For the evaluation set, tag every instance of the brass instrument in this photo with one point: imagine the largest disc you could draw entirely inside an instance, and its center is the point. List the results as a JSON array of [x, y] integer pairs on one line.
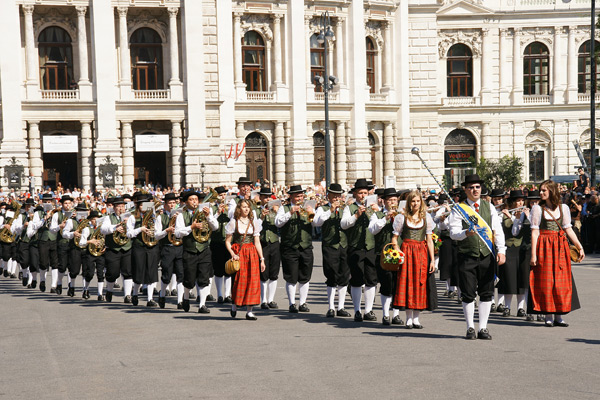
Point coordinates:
[[201, 235], [304, 213], [148, 221], [171, 236], [119, 238], [82, 225], [50, 215], [369, 211], [6, 235], [393, 212], [99, 249], [512, 211], [432, 209]]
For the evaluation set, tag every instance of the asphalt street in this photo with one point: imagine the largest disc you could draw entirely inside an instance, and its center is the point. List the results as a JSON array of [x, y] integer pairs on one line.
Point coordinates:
[[57, 347]]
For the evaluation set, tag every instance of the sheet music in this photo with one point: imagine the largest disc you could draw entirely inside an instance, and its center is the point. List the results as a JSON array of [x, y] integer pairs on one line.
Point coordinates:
[[10, 214], [148, 206], [81, 215], [370, 200], [47, 207], [310, 203], [125, 216]]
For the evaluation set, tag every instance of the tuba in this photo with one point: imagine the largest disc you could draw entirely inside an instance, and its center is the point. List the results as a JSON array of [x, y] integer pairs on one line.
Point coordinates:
[[82, 225], [6, 236], [97, 250], [148, 221], [202, 235], [119, 238], [171, 236]]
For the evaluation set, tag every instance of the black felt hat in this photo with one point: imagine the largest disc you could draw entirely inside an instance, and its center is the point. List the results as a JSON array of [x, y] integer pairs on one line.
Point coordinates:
[[389, 192], [335, 188], [473, 178], [296, 189], [361, 184], [497, 193]]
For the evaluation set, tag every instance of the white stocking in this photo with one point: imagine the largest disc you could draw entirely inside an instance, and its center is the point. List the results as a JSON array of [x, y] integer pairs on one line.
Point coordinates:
[[127, 285], [180, 291], [416, 317], [409, 317], [54, 277], [59, 282], [204, 292], [484, 313], [163, 287], [385, 304], [369, 298], [228, 282], [272, 290], [263, 291], [100, 288], [331, 297], [219, 285], [151, 290], [469, 311], [356, 297], [304, 292], [342, 296], [291, 292], [508, 299], [521, 299]]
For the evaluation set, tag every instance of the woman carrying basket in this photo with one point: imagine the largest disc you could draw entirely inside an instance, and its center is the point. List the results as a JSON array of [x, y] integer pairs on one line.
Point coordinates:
[[414, 227], [243, 243]]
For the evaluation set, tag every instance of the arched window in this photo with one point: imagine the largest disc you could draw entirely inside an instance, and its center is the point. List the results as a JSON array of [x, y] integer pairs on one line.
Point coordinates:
[[56, 59], [317, 61], [146, 59], [319, 148], [584, 78], [253, 54], [257, 166], [371, 54], [536, 69], [459, 156], [460, 71]]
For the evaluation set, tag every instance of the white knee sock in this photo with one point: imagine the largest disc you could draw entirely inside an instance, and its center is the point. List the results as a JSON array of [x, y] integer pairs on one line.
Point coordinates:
[[508, 300], [385, 304], [180, 291], [2, 264], [163, 288], [303, 292], [136, 288], [521, 299], [54, 277], [172, 283], [396, 312], [151, 290], [356, 297], [263, 292], [415, 316], [409, 317], [127, 286], [448, 284], [31, 277], [59, 281], [100, 288], [484, 313], [68, 280], [43, 275], [331, 297], [369, 298], [86, 284], [469, 311], [501, 299], [186, 293], [25, 273], [219, 284], [228, 283], [204, 291], [198, 290], [291, 292], [342, 296], [272, 290], [549, 317], [110, 286]]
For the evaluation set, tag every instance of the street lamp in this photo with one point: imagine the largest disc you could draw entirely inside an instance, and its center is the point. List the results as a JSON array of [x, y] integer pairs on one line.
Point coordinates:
[[535, 153], [202, 171], [327, 82]]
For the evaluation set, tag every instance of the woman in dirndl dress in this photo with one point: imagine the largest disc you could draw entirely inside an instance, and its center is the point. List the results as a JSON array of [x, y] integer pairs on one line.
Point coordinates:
[[414, 227], [551, 285], [243, 243]]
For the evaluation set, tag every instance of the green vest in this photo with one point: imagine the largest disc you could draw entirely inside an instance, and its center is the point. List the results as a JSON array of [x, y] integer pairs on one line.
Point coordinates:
[[549, 224], [511, 240], [61, 219], [44, 233], [473, 246], [359, 236], [219, 235], [189, 243], [24, 237], [164, 220], [268, 234], [137, 241], [241, 238], [418, 234], [385, 235], [332, 233], [108, 239], [75, 225], [297, 232]]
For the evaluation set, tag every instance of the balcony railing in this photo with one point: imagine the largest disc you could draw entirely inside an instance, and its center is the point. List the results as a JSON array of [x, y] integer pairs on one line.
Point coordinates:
[[60, 94], [333, 97], [536, 99], [260, 97], [460, 101], [162, 94], [585, 98], [378, 97]]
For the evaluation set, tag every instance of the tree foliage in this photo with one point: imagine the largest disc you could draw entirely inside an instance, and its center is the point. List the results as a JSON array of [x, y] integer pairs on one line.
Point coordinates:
[[503, 173]]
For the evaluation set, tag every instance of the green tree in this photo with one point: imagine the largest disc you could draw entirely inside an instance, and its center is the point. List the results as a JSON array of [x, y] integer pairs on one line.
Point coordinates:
[[502, 173]]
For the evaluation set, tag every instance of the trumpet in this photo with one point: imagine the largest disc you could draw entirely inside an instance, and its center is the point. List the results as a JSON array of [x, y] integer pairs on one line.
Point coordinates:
[[369, 211], [304, 213]]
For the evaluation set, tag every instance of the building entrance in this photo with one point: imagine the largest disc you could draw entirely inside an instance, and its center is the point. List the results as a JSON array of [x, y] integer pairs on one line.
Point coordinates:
[[150, 168], [60, 168]]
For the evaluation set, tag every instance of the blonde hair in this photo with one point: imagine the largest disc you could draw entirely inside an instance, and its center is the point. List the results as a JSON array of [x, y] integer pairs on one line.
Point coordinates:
[[407, 209]]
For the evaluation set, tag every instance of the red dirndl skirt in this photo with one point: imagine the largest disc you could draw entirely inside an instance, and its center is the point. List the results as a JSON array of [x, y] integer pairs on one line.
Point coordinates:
[[246, 284], [550, 281], [411, 281]]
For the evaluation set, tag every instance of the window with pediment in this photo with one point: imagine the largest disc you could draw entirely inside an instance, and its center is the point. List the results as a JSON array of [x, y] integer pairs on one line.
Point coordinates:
[[253, 67], [584, 76], [371, 57], [56, 59], [317, 61], [459, 71], [536, 69], [146, 59]]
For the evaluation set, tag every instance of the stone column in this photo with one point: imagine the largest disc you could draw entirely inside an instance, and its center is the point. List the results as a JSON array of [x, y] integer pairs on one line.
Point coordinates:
[[85, 87], [125, 81], [308, 34], [339, 49], [277, 49], [237, 53], [174, 83], [31, 53], [558, 87], [340, 152], [485, 141], [388, 150], [279, 153], [388, 54], [517, 92], [128, 148], [176, 152], [504, 68], [36, 164], [87, 171], [486, 70], [572, 59]]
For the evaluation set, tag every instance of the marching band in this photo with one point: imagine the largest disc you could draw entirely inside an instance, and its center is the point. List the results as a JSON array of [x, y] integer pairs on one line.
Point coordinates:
[[485, 246]]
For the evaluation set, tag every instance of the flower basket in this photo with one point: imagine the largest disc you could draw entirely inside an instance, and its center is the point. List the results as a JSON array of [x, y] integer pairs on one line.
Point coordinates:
[[391, 259]]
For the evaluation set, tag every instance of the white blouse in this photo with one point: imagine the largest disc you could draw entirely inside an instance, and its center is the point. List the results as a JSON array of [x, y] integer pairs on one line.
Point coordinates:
[[536, 216], [399, 224], [253, 230]]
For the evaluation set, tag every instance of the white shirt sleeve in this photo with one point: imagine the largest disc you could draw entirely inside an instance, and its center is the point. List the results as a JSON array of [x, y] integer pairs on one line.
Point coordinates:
[[535, 216], [282, 217], [442, 225], [132, 231], [85, 234], [230, 227], [257, 227], [231, 209], [430, 224], [107, 227], [158, 228], [213, 223], [518, 225], [54, 227], [348, 220], [180, 229], [320, 217], [36, 223], [566, 216], [68, 231], [16, 226], [498, 232], [376, 224], [398, 224], [455, 225]]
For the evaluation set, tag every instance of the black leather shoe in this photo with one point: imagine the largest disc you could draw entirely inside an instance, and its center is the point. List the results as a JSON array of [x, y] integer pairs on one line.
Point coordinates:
[[471, 334], [417, 326], [370, 316], [358, 316], [33, 284], [500, 308], [173, 293], [127, 299], [493, 309], [232, 313], [264, 306], [186, 305], [86, 294], [386, 321], [549, 324], [303, 308], [330, 313], [210, 297], [506, 312], [529, 317], [42, 286], [52, 290], [1, 271], [293, 309], [151, 303], [343, 313], [116, 286], [397, 320], [109, 296], [59, 289], [228, 300], [560, 323], [273, 305], [220, 300], [251, 317], [101, 298], [145, 291], [520, 313], [409, 326], [13, 276], [71, 292], [25, 281], [20, 275], [203, 310], [161, 302], [484, 334], [179, 306], [135, 300], [540, 317], [6, 273]]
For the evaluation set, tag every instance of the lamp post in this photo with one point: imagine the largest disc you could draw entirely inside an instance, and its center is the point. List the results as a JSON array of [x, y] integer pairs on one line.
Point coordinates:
[[202, 171], [593, 96], [327, 82], [535, 153]]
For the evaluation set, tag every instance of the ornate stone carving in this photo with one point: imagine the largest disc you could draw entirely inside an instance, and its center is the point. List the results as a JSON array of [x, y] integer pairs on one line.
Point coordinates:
[[28, 9], [375, 30], [146, 19], [81, 10], [55, 17], [122, 11], [257, 22], [172, 11], [448, 38], [537, 34]]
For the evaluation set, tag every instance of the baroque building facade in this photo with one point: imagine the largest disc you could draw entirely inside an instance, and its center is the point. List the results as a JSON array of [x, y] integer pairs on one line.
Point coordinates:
[[96, 93]]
